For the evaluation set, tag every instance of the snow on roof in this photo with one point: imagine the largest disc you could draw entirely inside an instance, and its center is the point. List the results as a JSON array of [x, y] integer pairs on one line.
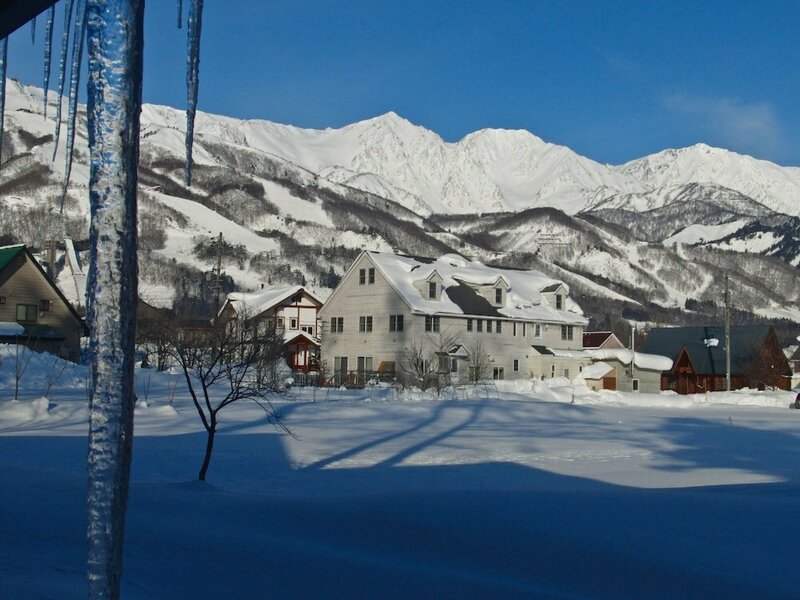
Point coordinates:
[[292, 335], [255, 303], [7, 328], [523, 297], [596, 370], [650, 362]]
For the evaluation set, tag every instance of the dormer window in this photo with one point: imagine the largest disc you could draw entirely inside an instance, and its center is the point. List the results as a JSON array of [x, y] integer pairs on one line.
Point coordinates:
[[498, 296], [432, 290], [559, 302]]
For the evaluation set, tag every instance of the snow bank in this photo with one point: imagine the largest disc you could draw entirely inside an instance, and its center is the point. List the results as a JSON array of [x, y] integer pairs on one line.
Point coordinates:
[[39, 371], [13, 410]]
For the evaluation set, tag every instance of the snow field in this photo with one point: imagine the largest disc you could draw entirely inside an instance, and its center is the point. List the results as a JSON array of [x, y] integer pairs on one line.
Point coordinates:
[[505, 490]]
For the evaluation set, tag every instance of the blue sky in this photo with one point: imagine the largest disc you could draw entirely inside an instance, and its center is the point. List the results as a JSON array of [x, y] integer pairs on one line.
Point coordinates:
[[612, 80]]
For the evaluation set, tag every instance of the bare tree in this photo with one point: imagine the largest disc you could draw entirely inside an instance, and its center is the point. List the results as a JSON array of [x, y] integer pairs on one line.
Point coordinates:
[[478, 361], [226, 364], [426, 362]]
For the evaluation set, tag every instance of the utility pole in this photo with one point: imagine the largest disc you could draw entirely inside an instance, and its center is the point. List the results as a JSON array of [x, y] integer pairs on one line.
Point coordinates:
[[218, 274], [727, 337], [633, 354]]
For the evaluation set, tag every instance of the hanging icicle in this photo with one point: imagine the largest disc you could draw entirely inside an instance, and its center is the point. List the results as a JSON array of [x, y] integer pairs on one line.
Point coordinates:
[[48, 47], [3, 61], [74, 80], [180, 13], [62, 68], [192, 80], [33, 30]]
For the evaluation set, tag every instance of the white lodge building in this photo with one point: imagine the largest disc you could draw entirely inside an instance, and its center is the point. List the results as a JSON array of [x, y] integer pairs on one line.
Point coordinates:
[[449, 315]]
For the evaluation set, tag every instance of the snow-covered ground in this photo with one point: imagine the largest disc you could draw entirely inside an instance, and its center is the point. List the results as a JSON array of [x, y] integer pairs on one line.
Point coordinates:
[[514, 490]]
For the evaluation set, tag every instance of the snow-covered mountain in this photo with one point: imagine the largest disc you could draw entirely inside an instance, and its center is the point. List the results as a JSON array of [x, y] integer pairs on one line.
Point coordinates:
[[297, 205]]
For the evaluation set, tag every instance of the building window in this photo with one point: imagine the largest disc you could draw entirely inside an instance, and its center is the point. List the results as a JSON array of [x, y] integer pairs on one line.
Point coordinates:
[[292, 323], [566, 373], [516, 365], [395, 322], [454, 365], [2, 299], [635, 383], [371, 275], [362, 276], [559, 302], [488, 326], [552, 371], [566, 332], [524, 330], [340, 364], [337, 324], [431, 324], [279, 323], [432, 290], [498, 296], [514, 329], [499, 328], [27, 312], [469, 324], [479, 323], [365, 324], [537, 330], [44, 305], [364, 364], [498, 373]]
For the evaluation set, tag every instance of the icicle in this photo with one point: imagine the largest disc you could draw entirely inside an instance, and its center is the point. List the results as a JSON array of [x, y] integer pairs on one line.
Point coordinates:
[[180, 12], [75, 75], [3, 61], [48, 47], [194, 25], [62, 68], [33, 30]]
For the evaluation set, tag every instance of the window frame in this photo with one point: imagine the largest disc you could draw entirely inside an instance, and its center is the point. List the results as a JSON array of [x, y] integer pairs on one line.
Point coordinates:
[[27, 308]]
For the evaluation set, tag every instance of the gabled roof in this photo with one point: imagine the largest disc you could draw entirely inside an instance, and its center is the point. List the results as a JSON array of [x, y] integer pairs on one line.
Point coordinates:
[[709, 358], [256, 303], [461, 277], [550, 288], [595, 339], [543, 350], [9, 253], [291, 335]]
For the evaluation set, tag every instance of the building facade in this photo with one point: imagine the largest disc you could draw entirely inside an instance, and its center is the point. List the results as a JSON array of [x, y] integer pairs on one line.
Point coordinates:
[[30, 298], [402, 316], [292, 310]]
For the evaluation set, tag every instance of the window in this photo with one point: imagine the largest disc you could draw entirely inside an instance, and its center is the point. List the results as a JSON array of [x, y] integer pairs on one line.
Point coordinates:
[[514, 329], [337, 324], [499, 328], [309, 329], [469, 324], [498, 296], [566, 332], [364, 364], [488, 326], [559, 301], [454, 365], [635, 383], [362, 276], [552, 371], [524, 330], [566, 373], [340, 364], [432, 324], [44, 305], [498, 373], [480, 325], [27, 312], [444, 363], [298, 298], [280, 323], [365, 324], [516, 365], [537, 330], [292, 323], [432, 290], [371, 275], [395, 322], [2, 299]]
